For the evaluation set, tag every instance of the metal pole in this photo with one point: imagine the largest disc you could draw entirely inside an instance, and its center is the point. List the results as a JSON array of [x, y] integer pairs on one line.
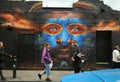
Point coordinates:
[[14, 66]]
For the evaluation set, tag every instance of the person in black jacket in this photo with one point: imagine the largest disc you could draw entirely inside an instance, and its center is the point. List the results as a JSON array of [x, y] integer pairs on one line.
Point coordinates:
[[2, 54], [76, 57]]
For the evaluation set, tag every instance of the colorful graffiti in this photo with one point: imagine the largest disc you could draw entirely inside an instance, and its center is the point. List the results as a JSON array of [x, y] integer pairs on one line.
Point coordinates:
[[65, 30], [58, 26]]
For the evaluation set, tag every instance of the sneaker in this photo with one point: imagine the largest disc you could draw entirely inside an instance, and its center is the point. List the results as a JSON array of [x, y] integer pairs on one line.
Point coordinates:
[[48, 79], [39, 75]]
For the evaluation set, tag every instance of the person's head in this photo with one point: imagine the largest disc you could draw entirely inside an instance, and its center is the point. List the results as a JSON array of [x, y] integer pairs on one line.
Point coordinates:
[[1, 45], [116, 47], [74, 43], [47, 45]]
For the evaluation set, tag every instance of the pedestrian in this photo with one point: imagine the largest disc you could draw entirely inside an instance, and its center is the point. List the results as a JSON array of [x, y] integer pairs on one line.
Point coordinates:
[[76, 57], [2, 59], [47, 61], [116, 57]]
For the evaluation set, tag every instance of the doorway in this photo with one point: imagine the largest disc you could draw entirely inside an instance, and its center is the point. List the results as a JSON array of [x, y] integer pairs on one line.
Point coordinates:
[[26, 51], [104, 46]]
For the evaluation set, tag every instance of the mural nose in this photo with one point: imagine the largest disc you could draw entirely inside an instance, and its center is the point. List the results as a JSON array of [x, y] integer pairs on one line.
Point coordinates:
[[63, 41], [58, 40], [64, 38]]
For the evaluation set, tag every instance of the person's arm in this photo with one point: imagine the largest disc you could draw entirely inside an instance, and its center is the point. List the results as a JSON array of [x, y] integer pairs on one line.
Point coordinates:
[[74, 53], [48, 57], [6, 54], [118, 55], [1, 50], [43, 55]]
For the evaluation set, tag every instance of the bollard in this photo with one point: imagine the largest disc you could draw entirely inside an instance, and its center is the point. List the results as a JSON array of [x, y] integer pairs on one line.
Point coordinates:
[[14, 66], [82, 63]]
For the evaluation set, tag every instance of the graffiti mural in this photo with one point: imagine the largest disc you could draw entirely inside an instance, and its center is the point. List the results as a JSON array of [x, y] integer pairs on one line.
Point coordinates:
[[59, 26]]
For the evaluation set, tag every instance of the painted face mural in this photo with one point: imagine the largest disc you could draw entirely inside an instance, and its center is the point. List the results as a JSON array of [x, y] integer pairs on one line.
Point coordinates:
[[63, 27], [63, 30], [60, 29]]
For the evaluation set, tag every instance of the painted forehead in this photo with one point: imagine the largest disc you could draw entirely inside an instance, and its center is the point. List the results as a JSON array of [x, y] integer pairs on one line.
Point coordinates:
[[64, 14], [66, 21]]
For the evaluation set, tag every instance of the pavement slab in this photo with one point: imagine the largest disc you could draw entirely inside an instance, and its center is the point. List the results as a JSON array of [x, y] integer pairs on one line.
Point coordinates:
[[32, 75]]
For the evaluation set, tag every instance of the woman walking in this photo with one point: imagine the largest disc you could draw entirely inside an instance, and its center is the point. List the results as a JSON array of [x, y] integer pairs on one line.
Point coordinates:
[[47, 61]]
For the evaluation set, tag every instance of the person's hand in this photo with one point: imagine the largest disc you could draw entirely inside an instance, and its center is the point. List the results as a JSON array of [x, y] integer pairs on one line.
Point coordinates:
[[10, 56], [72, 59]]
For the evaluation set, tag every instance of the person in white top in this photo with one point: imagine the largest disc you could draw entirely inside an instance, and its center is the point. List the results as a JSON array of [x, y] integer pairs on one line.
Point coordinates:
[[116, 57]]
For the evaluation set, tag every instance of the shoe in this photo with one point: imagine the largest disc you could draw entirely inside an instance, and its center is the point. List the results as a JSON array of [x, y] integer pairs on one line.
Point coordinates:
[[48, 79], [3, 78], [39, 75]]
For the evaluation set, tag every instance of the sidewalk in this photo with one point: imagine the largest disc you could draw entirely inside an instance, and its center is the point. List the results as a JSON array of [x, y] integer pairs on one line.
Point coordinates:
[[31, 75]]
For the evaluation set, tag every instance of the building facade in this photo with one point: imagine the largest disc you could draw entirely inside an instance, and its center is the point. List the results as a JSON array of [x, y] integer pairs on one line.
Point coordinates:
[[26, 26]]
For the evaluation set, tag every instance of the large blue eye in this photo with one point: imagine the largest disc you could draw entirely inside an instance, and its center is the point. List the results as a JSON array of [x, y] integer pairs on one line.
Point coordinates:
[[76, 29], [52, 28]]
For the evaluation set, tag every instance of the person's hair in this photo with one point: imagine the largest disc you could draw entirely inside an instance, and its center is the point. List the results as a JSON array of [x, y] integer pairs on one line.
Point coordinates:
[[116, 47], [46, 44], [74, 42]]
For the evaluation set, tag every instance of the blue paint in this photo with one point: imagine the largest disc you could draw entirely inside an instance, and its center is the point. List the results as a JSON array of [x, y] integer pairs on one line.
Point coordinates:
[[64, 35]]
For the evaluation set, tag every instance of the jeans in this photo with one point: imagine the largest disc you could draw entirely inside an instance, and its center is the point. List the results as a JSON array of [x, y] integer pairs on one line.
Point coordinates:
[[47, 69]]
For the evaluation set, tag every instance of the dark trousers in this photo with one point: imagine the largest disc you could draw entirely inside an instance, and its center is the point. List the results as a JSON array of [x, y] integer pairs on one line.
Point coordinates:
[[1, 74], [115, 65], [77, 69]]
